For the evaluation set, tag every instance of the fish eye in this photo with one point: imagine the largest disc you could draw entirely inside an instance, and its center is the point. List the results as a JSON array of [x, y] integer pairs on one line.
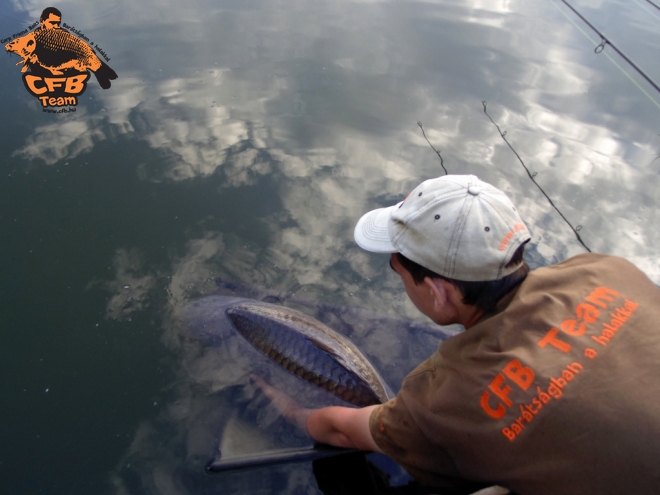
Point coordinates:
[[30, 43]]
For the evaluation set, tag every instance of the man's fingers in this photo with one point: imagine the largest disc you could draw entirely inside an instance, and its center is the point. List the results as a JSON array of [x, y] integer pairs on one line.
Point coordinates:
[[267, 389], [257, 379], [271, 392], [280, 400], [287, 406]]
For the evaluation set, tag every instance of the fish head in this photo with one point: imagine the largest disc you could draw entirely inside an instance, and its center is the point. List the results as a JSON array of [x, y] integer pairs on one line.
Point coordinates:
[[206, 319], [23, 46]]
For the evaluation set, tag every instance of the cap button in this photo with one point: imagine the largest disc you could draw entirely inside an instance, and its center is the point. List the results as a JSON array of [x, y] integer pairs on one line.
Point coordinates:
[[474, 190]]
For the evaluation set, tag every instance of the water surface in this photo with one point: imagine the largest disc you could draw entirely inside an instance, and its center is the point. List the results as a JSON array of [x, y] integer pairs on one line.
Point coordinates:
[[243, 140]]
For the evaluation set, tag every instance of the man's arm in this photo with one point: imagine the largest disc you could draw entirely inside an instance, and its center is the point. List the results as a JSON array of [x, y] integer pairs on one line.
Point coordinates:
[[343, 427], [338, 426]]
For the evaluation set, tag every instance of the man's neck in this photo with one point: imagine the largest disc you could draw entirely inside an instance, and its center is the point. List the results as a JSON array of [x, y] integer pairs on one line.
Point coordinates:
[[469, 315]]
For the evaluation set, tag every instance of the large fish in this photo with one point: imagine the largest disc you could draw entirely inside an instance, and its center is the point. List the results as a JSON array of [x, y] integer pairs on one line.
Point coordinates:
[[212, 411], [311, 350], [298, 343]]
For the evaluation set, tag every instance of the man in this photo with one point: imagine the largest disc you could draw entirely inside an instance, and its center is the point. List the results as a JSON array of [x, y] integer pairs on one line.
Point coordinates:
[[51, 18], [554, 387]]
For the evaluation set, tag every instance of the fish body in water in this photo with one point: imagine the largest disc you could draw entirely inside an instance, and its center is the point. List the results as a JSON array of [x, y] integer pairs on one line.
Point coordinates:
[[311, 350], [212, 411], [301, 345]]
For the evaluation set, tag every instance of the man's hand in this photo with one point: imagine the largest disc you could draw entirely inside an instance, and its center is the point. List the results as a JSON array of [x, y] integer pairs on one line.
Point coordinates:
[[339, 426], [287, 406]]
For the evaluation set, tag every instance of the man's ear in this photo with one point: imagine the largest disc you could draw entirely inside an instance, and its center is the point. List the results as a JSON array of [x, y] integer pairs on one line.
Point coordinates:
[[439, 291]]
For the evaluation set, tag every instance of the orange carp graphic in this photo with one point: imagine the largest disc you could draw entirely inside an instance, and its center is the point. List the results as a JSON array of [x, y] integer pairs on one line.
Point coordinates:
[[51, 51]]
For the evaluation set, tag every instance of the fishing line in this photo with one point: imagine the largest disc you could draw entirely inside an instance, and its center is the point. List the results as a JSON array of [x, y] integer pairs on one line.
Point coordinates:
[[442, 163], [645, 6], [605, 41], [608, 57], [532, 177]]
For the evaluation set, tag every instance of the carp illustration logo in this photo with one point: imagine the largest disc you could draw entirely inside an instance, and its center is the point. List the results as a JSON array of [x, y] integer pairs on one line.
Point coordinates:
[[56, 63]]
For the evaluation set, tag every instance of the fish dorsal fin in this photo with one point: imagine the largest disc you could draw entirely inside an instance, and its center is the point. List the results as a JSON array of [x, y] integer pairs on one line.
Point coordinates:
[[323, 347], [334, 355]]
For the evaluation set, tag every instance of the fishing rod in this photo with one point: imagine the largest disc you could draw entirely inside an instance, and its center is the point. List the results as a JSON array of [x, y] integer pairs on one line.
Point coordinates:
[[606, 41], [655, 5], [442, 163], [532, 178]]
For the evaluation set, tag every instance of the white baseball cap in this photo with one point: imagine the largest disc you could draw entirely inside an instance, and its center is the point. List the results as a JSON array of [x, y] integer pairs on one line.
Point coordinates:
[[456, 225]]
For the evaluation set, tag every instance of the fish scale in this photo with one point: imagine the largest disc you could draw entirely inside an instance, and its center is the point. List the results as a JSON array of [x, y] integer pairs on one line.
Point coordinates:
[[63, 51], [297, 353], [59, 39]]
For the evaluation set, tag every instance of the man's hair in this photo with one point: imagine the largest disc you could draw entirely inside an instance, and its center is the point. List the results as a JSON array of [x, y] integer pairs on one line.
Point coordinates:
[[49, 10], [484, 295]]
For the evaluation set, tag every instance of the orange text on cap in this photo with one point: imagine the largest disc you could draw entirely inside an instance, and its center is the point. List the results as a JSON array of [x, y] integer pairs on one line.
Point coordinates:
[[509, 235]]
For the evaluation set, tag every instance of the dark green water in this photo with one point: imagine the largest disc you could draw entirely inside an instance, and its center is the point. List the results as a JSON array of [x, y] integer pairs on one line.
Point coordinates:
[[243, 140]]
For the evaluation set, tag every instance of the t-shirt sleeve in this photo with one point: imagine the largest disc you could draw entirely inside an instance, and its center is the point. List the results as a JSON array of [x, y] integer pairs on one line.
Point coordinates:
[[398, 435]]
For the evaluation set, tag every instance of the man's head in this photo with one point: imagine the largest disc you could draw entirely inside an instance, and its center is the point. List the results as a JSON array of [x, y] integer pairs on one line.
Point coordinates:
[[50, 18], [454, 228]]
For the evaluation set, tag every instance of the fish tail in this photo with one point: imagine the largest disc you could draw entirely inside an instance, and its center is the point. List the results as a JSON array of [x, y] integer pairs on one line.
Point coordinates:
[[104, 75]]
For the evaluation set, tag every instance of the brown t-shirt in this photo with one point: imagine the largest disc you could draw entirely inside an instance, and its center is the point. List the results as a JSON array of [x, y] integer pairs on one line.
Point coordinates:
[[558, 392]]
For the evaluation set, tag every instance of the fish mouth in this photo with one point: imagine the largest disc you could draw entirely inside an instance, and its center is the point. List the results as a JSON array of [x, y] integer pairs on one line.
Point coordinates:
[[20, 53]]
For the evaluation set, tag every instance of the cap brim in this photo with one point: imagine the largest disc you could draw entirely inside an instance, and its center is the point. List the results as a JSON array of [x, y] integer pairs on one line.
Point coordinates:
[[372, 231]]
